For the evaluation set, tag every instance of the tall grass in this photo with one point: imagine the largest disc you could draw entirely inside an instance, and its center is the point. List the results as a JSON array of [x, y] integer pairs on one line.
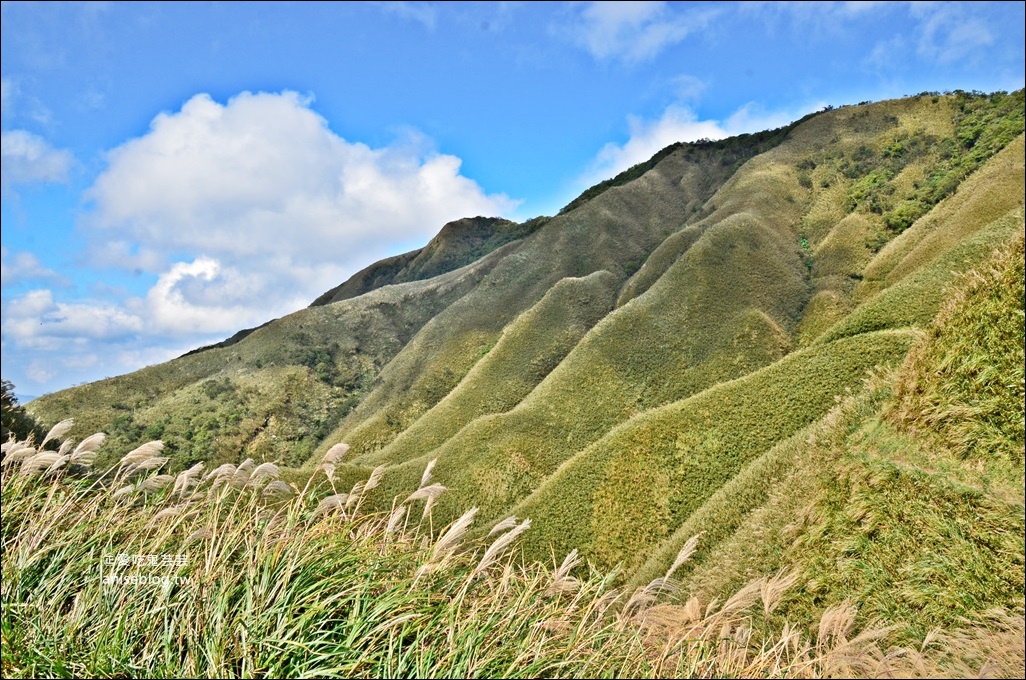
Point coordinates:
[[964, 381], [238, 574]]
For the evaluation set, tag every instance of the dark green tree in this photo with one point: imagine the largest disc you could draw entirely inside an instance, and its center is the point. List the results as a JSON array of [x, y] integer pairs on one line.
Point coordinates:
[[15, 421]]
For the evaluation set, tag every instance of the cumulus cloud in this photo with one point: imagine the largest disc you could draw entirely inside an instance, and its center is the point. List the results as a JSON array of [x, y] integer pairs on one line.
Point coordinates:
[[254, 207], [634, 31], [26, 157], [37, 321], [265, 175], [204, 297]]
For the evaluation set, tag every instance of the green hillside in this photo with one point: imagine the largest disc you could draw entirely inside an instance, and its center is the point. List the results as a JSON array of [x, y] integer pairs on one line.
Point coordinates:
[[803, 347]]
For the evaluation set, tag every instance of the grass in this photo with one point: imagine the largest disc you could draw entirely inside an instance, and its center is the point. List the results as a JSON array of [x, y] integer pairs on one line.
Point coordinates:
[[618, 499], [916, 298], [964, 382], [529, 348], [253, 382], [864, 513], [236, 574], [919, 520]]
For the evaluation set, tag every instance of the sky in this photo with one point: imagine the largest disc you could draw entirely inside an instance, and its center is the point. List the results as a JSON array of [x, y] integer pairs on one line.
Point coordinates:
[[174, 172]]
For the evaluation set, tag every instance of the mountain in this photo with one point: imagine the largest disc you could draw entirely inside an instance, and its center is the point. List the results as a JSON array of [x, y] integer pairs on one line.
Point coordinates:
[[803, 346]]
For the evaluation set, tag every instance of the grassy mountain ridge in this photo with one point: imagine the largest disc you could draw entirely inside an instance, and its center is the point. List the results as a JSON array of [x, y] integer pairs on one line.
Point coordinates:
[[682, 351], [457, 244], [613, 232]]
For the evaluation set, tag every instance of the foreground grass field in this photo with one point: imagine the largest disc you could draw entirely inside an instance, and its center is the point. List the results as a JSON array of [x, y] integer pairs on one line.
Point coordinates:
[[234, 573]]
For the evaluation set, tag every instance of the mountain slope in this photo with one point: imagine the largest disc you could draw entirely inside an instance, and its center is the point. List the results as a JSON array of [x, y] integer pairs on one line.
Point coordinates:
[[457, 244], [663, 358]]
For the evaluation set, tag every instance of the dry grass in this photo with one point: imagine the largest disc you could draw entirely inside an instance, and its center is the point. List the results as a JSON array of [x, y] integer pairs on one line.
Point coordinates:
[[273, 589]]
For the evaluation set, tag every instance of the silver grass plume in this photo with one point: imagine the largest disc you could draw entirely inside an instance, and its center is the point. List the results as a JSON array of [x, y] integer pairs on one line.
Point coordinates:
[[645, 597], [334, 502], [85, 452], [126, 490], [335, 454], [374, 479], [428, 493], [154, 463], [448, 541], [242, 474], [172, 511], [156, 483], [220, 473], [394, 519], [773, 588], [186, 479], [198, 535], [505, 524], [44, 461], [264, 471], [690, 546], [425, 478], [58, 431], [276, 488], [17, 451], [562, 581], [141, 453], [241, 478], [500, 544], [360, 488]]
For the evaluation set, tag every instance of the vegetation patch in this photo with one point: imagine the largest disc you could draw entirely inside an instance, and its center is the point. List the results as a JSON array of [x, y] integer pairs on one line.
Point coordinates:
[[964, 381]]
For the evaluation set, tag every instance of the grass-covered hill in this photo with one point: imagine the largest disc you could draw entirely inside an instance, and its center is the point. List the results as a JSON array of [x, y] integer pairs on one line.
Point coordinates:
[[803, 347]]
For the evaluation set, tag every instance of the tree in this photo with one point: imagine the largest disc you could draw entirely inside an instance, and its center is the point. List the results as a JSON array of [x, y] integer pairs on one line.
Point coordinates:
[[14, 420]]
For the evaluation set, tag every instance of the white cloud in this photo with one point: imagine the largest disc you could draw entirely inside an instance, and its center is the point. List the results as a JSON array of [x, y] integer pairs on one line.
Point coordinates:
[[815, 20], [635, 31], [943, 32], [679, 123], [16, 268], [251, 209], [36, 320], [754, 117], [26, 157], [949, 32], [205, 297], [687, 87], [8, 91]]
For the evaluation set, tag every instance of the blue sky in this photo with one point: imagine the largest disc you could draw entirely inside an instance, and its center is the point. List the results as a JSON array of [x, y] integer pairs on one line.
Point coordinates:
[[174, 172]]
